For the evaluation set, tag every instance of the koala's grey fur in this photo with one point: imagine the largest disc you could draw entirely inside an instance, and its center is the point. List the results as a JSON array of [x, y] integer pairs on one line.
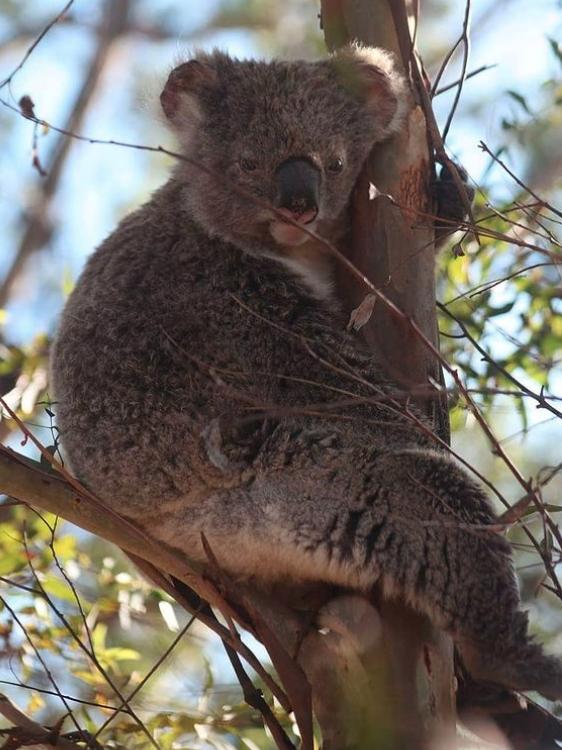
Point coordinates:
[[205, 382]]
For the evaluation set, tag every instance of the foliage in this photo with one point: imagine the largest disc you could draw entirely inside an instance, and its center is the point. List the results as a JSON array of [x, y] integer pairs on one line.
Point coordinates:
[[72, 611]]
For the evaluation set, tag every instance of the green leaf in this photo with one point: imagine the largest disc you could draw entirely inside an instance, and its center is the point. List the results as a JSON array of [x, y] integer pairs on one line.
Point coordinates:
[[11, 562], [520, 100], [98, 637], [116, 653], [555, 48], [55, 586], [65, 547], [547, 506]]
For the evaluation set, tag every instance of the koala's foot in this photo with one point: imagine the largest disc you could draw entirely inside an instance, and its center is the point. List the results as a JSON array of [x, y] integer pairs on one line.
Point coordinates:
[[450, 566], [519, 664], [410, 521]]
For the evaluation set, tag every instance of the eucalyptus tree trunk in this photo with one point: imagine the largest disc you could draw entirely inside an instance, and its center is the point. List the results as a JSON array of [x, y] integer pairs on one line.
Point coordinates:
[[388, 683]]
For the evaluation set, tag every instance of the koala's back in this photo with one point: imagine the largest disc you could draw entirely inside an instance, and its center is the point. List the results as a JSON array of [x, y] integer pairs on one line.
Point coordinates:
[[114, 385]]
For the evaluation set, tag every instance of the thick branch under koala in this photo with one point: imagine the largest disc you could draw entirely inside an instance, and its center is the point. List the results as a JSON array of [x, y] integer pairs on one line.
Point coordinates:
[[28, 482]]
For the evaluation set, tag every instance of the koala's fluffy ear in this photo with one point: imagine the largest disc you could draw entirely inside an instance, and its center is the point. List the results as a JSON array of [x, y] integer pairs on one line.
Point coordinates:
[[371, 74], [180, 97]]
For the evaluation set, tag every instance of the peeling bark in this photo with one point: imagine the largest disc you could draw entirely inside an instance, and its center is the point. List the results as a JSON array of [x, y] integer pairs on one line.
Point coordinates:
[[405, 674]]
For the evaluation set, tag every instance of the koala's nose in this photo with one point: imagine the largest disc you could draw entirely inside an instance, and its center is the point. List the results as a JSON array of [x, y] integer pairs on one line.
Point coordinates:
[[298, 184]]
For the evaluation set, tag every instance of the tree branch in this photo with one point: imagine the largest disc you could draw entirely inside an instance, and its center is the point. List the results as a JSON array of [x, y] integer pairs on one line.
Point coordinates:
[[29, 732], [39, 229]]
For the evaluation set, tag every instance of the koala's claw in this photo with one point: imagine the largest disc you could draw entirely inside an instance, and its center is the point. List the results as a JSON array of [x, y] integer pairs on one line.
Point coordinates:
[[450, 205]]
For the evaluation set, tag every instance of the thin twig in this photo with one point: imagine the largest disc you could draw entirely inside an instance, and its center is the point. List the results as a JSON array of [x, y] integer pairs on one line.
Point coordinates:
[[72, 587], [74, 699], [48, 27], [41, 660], [465, 41], [90, 653], [542, 402], [400, 18], [39, 228], [125, 703], [487, 285], [452, 85], [31, 733], [207, 617], [254, 699], [521, 184]]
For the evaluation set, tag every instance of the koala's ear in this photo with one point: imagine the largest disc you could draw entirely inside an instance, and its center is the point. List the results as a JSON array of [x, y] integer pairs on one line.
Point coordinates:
[[180, 97], [371, 74]]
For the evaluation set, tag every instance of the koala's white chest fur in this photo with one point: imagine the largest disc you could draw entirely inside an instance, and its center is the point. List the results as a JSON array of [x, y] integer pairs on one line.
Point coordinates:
[[313, 265]]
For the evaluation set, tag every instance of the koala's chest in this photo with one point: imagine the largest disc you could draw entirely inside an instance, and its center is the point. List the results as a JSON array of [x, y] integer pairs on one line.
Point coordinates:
[[313, 266]]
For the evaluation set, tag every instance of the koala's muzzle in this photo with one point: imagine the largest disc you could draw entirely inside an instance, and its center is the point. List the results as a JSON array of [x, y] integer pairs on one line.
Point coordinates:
[[298, 184]]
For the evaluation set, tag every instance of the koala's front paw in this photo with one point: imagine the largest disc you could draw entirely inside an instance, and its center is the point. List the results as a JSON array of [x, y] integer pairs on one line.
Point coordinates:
[[450, 205]]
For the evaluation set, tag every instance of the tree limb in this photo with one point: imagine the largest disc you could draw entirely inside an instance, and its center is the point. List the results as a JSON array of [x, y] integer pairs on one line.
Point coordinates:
[[39, 229]]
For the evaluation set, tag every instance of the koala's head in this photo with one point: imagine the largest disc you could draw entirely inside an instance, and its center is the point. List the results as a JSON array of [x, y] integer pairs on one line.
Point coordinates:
[[293, 134]]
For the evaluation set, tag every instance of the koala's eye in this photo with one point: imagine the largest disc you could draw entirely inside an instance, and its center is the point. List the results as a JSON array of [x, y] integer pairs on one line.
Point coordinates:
[[336, 165], [247, 165]]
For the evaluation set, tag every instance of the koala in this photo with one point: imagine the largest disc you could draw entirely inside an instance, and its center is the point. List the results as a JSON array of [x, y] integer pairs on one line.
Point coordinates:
[[206, 386]]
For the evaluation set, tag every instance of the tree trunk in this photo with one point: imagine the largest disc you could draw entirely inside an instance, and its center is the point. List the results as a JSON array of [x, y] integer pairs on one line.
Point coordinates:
[[385, 679]]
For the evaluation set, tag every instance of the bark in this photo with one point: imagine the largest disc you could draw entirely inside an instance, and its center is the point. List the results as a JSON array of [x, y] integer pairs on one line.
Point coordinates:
[[389, 683], [392, 244]]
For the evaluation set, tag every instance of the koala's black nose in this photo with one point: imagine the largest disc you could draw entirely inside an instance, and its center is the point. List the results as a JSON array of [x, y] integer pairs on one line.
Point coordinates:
[[298, 183]]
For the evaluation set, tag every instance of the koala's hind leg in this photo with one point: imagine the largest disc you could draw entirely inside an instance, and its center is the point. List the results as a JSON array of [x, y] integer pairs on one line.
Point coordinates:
[[414, 523], [435, 550]]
